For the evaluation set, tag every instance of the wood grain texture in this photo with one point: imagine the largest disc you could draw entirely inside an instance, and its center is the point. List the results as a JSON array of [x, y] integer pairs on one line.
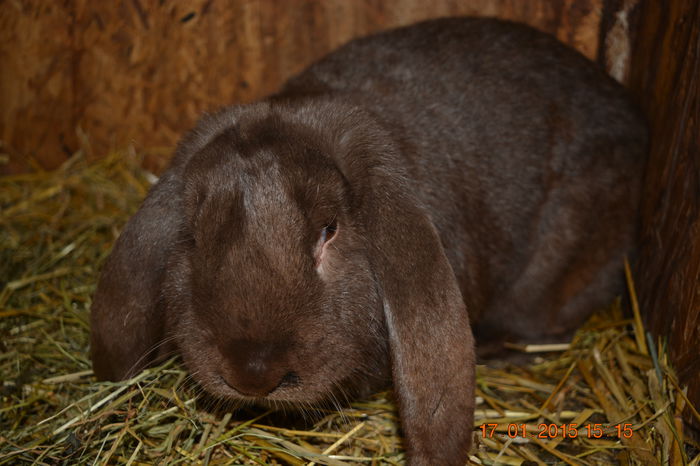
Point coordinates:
[[665, 77], [139, 72], [618, 26], [36, 83]]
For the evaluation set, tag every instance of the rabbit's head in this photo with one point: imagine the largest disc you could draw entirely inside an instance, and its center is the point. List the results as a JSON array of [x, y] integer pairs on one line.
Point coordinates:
[[270, 290], [287, 256]]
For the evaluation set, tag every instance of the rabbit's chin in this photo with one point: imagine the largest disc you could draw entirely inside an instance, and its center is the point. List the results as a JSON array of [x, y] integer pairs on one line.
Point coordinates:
[[300, 396]]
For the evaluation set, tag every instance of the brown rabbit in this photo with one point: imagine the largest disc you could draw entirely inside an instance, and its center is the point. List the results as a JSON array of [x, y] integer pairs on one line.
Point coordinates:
[[332, 237]]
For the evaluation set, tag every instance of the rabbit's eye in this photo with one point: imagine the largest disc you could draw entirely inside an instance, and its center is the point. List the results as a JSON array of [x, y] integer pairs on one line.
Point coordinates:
[[328, 232]]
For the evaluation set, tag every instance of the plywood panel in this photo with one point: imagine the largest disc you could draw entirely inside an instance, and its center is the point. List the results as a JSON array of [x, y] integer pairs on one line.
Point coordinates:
[[665, 77], [144, 69], [36, 82]]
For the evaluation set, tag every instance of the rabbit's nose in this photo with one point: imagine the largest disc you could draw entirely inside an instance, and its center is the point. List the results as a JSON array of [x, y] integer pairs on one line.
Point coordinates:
[[256, 369]]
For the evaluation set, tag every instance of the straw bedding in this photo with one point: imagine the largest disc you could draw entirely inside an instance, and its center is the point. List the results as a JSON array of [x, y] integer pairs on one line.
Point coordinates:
[[608, 397]]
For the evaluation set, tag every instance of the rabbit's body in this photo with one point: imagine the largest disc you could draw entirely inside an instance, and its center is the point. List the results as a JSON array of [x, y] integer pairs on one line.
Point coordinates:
[[307, 246], [533, 159]]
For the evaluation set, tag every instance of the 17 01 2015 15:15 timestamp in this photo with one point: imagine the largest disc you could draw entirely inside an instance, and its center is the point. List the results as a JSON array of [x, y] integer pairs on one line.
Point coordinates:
[[561, 430]]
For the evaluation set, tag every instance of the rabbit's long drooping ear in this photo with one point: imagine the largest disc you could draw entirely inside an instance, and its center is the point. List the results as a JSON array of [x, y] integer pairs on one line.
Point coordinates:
[[127, 322], [431, 343], [127, 318], [430, 338]]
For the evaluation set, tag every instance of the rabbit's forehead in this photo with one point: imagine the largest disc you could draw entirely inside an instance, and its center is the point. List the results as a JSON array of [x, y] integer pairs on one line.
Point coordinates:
[[279, 193], [267, 195], [262, 199]]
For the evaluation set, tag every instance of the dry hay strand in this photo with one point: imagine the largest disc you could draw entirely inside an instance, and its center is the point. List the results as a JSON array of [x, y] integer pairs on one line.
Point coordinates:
[[610, 396]]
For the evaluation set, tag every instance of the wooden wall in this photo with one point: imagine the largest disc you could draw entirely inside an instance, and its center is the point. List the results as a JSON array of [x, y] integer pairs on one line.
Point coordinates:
[[139, 72], [665, 77], [37, 60]]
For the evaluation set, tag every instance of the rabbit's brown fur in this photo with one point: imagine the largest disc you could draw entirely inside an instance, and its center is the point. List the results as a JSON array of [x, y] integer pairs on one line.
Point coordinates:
[[317, 243]]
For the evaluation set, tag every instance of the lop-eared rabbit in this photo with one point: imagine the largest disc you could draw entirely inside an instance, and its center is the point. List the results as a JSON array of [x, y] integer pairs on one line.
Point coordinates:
[[354, 228]]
